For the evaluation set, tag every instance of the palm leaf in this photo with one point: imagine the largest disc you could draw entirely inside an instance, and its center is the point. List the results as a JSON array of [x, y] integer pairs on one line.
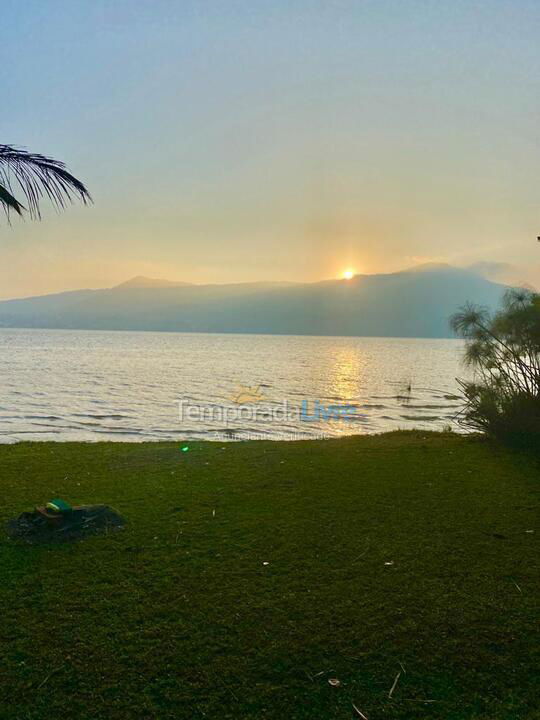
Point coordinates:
[[38, 177], [9, 202]]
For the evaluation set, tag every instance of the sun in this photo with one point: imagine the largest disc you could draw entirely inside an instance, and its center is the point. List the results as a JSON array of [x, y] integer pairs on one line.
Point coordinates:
[[348, 274]]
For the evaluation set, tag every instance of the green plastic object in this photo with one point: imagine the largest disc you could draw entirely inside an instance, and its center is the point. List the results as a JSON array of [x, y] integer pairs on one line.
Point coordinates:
[[58, 505]]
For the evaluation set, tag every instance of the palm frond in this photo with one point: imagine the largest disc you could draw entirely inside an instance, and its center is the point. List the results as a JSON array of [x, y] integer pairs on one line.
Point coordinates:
[[469, 320], [9, 202], [38, 177]]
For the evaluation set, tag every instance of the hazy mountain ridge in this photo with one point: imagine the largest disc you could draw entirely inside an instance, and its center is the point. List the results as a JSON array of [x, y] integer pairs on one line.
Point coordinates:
[[410, 303], [508, 274], [141, 281]]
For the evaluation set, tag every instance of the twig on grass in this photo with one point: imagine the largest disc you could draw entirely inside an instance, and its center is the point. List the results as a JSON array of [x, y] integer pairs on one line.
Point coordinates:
[[421, 701], [360, 713], [394, 684], [42, 683], [363, 552]]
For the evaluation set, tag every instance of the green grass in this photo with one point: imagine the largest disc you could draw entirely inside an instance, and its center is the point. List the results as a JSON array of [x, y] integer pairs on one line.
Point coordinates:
[[403, 553]]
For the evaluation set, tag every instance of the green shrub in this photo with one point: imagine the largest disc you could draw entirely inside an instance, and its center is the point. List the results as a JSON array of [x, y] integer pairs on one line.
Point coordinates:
[[503, 399]]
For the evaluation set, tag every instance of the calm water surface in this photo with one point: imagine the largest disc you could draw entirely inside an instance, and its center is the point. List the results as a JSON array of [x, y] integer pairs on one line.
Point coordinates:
[[92, 385]]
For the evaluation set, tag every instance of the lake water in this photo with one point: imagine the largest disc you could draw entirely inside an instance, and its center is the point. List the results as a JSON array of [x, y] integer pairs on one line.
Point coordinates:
[[92, 385]]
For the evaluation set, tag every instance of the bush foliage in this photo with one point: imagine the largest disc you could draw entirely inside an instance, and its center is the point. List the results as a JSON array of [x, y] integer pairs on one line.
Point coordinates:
[[503, 399]]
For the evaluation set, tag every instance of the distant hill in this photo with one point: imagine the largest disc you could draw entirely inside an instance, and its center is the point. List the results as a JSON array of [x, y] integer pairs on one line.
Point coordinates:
[[508, 274], [412, 303], [145, 282]]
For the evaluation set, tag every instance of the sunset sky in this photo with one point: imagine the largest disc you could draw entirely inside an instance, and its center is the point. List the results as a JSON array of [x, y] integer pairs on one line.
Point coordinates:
[[284, 140]]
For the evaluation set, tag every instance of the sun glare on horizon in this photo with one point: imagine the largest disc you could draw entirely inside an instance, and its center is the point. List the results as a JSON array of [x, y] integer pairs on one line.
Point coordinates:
[[348, 274]]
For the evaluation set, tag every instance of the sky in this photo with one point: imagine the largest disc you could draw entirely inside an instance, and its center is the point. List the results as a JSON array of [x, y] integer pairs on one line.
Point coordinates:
[[232, 141]]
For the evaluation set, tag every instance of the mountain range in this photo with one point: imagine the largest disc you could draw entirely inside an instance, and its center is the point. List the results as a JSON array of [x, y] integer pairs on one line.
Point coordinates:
[[411, 303]]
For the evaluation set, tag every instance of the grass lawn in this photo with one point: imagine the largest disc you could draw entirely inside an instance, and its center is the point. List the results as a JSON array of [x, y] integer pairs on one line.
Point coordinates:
[[252, 573]]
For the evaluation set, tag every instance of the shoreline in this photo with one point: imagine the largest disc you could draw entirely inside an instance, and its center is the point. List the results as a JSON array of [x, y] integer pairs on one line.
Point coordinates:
[[236, 441]]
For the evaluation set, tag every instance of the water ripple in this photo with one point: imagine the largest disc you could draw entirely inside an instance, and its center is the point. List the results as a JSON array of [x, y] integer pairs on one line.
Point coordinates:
[[84, 385]]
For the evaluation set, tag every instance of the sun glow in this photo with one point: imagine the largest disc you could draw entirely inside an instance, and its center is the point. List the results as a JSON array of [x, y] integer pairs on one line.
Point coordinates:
[[348, 274]]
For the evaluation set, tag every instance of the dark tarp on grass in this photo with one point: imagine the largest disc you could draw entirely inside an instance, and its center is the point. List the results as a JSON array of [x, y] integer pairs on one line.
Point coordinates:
[[83, 521]]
